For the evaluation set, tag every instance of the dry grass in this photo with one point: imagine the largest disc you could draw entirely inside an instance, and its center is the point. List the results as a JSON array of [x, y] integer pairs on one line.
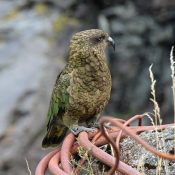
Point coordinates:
[[156, 119], [173, 75], [173, 80], [90, 166], [28, 168]]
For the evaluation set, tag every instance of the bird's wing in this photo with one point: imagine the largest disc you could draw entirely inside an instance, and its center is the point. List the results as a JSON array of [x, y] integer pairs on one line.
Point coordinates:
[[59, 100]]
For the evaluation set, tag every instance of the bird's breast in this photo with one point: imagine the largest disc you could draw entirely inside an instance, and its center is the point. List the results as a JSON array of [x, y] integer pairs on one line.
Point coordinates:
[[90, 89]]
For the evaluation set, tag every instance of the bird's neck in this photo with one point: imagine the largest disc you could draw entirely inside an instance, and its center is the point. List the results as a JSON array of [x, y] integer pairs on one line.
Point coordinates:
[[91, 70], [91, 67], [93, 58]]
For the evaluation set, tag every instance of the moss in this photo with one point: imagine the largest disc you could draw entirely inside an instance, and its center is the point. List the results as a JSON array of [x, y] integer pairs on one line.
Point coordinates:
[[11, 15], [40, 8], [62, 21]]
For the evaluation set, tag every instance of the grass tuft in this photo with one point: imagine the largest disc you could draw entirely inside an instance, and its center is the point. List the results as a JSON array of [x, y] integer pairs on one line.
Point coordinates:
[[160, 141]]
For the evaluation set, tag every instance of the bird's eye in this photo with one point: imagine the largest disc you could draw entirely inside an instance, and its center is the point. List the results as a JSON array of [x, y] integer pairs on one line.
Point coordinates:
[[100, 38], [97, 39]]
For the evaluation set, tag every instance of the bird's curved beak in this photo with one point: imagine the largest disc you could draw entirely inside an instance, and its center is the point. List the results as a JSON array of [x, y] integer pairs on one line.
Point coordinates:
[[111, 42]]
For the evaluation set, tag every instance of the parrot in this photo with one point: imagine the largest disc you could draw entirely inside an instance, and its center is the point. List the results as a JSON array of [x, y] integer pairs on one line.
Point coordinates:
[[82, 89]]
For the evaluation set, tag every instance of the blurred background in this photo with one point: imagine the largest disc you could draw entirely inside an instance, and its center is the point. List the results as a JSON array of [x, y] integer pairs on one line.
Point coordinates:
[[34, 39]]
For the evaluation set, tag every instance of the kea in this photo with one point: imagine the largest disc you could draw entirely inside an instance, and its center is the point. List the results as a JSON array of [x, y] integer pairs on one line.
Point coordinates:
[[82, 89]]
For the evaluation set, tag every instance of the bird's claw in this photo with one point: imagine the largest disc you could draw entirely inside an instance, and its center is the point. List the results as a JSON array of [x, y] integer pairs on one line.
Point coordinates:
[[107, 125], [77, 129]]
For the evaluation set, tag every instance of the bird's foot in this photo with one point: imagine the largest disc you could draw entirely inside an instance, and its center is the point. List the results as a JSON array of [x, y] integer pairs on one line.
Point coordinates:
[[96, 125], [107, 125], [92, 122], [77, 129]]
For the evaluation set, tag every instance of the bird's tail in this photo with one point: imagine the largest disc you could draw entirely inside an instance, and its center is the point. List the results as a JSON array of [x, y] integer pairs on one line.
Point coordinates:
[[54, 136]]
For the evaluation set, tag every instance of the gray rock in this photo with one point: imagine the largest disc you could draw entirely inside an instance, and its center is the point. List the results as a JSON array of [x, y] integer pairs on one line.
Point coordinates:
[[142, 39], [123, 12], [63, 4], [131, 41], [8, 6], [103, 23], [137, 25], [118, 27], [23, 58], [137, 157], [21, 77], [163, 3], [161, 35]]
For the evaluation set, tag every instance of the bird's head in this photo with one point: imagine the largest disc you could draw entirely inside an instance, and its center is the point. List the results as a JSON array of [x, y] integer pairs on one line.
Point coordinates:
[[91, 40]]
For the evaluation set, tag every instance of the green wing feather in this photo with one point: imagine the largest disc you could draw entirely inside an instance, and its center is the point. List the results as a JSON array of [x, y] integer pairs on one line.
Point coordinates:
[[59, 99], [58, 104]]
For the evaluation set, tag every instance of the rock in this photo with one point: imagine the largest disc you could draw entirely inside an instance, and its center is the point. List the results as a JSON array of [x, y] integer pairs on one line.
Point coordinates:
[[142, 38], [161, 35], [123, 12], [131, 41], [137, 157], [8, 7], [118, 27], [64, 4], [137, 25], [21, 68], [22, 78], [103, 23], [163, 3]]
